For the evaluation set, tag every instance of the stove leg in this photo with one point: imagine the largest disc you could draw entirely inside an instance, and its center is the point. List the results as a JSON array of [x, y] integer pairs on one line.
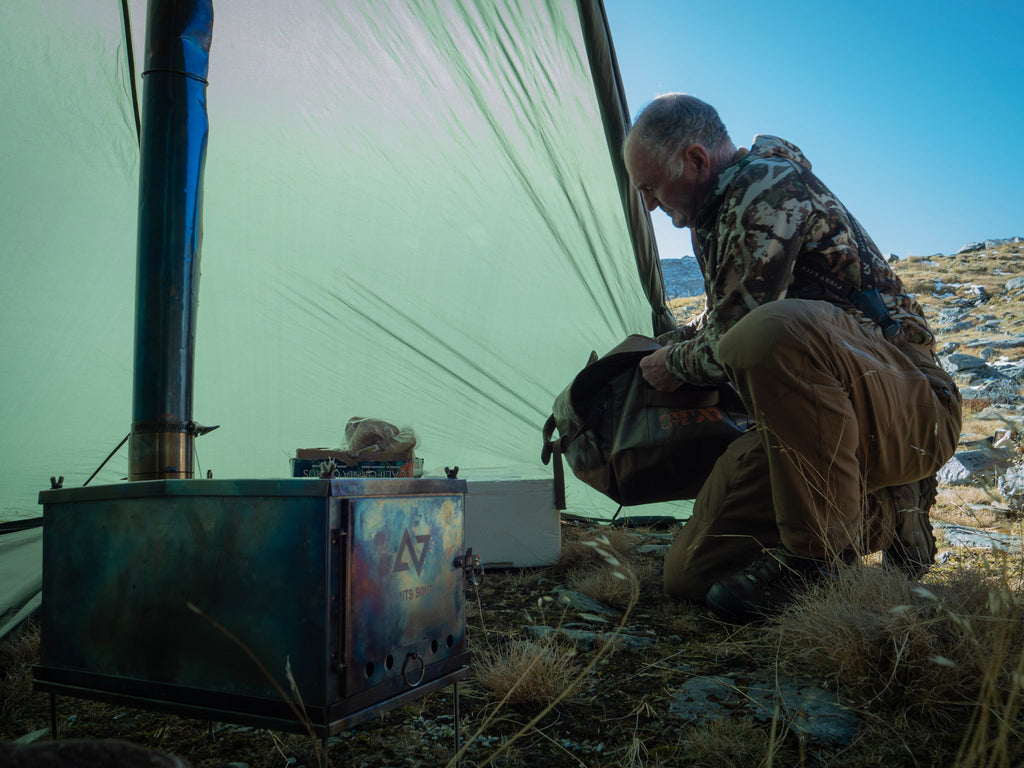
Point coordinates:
[[458, 724], [53, 716]]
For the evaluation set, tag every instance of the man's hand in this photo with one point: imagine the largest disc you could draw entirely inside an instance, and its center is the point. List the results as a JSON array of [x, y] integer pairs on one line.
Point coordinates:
[[655, 371]]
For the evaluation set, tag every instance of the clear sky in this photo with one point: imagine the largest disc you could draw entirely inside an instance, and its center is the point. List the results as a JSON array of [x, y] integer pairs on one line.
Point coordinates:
[[912, 112]]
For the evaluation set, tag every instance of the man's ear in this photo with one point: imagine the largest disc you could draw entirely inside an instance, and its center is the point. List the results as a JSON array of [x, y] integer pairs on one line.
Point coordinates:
[[697, 157]]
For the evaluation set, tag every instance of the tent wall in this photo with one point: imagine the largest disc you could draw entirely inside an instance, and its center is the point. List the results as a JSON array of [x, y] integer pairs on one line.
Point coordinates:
[[411, 212]]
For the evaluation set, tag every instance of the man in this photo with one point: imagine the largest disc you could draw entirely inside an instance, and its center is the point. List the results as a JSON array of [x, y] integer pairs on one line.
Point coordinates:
[[831, 358]]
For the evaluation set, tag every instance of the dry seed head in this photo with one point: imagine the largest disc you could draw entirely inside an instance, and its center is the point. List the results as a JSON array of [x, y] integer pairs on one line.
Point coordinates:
[[960, 621], [927, 594]]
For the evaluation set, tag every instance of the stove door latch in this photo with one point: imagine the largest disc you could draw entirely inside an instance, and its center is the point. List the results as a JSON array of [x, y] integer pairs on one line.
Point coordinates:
[[471, 565]]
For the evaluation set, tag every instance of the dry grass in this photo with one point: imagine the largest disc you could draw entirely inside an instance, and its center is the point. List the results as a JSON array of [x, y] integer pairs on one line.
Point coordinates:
[[612, 586], [968, 505], [18, 653], [529, 672], [732, 742], [583, 554], [930, 656]]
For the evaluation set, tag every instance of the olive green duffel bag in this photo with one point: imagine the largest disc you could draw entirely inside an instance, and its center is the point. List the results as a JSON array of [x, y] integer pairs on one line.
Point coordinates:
[[631, 442]]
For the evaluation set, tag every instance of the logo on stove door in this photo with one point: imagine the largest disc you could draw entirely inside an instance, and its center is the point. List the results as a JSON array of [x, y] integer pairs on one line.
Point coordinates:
[[407, 545]]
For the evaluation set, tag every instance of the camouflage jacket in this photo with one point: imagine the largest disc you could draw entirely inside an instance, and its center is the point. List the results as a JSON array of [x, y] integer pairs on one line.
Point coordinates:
[[766, 211]]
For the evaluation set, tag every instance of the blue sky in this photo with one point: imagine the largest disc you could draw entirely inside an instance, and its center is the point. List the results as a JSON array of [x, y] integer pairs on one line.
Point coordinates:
[[911, 112]]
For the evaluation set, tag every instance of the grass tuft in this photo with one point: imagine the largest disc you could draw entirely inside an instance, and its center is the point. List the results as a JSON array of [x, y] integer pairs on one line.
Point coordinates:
[[932, 653], [18, 652], [529, 672]]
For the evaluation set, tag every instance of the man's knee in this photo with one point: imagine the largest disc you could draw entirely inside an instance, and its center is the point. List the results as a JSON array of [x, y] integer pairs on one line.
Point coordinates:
[[768, 331]]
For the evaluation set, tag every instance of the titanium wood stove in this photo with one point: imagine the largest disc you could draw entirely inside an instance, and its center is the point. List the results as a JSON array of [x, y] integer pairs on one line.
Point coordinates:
[[195, 596]]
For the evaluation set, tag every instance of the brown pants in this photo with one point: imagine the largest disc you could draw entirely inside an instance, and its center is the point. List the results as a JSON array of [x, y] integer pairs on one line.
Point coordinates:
[[840, 414]]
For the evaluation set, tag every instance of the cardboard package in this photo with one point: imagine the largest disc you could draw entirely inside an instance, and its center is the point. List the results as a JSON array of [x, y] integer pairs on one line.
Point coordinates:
[[308, 462]]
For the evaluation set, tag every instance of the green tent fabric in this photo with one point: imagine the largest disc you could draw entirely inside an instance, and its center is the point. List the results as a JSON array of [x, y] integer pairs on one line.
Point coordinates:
[[412, 211], [21, 572]]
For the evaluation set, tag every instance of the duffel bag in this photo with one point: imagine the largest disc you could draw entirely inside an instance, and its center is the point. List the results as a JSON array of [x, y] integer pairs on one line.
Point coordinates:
[[631, 442]]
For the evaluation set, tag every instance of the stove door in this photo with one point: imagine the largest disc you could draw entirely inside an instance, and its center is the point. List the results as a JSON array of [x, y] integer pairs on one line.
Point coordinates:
[[404, 614]]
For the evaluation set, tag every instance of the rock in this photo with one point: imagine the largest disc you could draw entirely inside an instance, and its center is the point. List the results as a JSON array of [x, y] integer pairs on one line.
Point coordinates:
[[587, 638], [950, 315], [1015, 284], [974, 467], [811, 711], [1011, 488], [969, 369], [34, 736], [961, 325], [997, 389], [959, 361], [980, 291], [1003, 412], [1013, 342], [1012, 370], [975, 538], [971, 247], [580, 602]]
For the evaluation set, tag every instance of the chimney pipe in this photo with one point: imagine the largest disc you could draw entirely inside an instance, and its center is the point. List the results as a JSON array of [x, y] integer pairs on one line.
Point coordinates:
[[173, 154]]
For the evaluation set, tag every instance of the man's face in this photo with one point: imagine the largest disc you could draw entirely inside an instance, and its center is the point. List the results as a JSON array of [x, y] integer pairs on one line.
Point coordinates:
[[677, 196]]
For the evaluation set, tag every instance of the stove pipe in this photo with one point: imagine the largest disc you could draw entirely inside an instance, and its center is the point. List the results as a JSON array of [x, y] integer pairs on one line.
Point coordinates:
[[173, 153]]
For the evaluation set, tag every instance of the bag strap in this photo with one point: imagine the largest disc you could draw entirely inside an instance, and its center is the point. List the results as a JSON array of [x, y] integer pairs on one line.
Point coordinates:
[[554, 448], [869, 300]]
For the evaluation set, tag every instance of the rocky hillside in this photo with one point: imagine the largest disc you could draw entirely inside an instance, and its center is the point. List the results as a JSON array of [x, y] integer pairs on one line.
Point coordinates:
[[974, 300]]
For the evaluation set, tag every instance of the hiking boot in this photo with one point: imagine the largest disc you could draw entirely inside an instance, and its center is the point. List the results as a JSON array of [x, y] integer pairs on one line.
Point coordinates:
[[765, 586], [913, 547]]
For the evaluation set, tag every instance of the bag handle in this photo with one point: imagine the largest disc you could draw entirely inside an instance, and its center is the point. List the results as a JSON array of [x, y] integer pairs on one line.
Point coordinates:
[[555, 448], [598, 370]]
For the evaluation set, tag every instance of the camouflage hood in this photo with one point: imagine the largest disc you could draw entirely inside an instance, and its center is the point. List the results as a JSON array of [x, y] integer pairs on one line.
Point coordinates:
[[772, 146], [765, 147]]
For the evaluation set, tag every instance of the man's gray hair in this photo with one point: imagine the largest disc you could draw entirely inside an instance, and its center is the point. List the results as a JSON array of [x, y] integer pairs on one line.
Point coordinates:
[[677, 120]]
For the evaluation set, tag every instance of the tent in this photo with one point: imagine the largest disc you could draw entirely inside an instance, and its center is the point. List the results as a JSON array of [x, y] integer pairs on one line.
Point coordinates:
[[412, 211]]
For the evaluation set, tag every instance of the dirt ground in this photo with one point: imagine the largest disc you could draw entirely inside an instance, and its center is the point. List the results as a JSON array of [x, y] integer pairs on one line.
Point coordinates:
[[618, 714]]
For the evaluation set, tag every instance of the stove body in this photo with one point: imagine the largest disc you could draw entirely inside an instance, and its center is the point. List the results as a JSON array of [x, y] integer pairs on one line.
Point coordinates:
[[265, 602]]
